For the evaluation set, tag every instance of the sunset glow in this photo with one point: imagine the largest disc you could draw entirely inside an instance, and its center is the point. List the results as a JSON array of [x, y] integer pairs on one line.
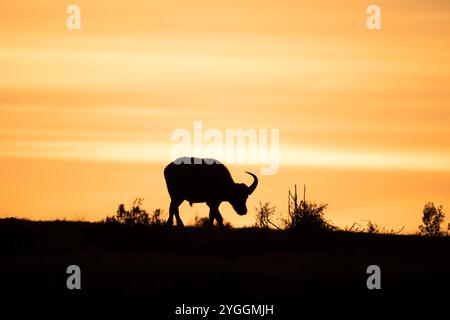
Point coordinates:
[[86, 115]]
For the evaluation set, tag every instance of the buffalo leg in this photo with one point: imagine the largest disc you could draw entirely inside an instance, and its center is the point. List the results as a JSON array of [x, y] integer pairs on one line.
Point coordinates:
[[214, 214], [219, 218], [173, 211]]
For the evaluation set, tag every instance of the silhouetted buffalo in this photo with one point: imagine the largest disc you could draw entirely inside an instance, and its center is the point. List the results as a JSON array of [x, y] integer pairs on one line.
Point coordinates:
[[205, 180]]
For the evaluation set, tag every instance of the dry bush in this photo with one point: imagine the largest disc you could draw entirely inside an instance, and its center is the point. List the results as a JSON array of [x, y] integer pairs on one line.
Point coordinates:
[[264, 215], [308, 216], [136, 215], [204, 222], [432, 218]]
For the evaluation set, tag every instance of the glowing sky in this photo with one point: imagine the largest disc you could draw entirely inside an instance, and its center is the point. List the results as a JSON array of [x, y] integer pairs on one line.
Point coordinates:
[[86, 115]]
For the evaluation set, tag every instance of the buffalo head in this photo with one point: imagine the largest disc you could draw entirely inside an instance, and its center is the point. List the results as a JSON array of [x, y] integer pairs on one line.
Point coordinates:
[[240, 193]]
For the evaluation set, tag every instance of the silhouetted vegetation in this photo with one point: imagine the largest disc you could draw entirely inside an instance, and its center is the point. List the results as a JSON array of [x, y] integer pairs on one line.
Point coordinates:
[[306, 215], [227, 225], [355, 227], [146, 264], [136, 215], [264, 214], [432, 219], [302, 216], [372, 227], [202, 222]]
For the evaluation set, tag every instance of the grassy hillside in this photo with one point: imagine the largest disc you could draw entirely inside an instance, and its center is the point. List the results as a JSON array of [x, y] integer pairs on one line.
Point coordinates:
[[195, 264]]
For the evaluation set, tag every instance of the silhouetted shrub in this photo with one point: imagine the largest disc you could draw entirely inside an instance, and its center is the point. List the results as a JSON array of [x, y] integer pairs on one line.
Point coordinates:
[[372, 228], [136, 215], [204, 222], [201, 222], [157, 218], [228, 225], [308, 216], [432, 218], [263, 215], [355, 227]]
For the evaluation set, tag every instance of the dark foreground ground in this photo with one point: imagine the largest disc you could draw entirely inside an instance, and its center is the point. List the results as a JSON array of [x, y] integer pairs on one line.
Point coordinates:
[[163, 267]]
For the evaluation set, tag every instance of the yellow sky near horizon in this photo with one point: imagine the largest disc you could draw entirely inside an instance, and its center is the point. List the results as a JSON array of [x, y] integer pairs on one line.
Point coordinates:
[[356, 109]]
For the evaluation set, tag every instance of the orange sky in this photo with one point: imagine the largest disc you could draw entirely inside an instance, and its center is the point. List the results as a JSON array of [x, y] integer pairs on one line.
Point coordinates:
[[86, 115]]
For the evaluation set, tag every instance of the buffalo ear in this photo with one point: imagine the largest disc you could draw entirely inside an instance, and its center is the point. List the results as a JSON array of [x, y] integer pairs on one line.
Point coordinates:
[[252, 187]]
